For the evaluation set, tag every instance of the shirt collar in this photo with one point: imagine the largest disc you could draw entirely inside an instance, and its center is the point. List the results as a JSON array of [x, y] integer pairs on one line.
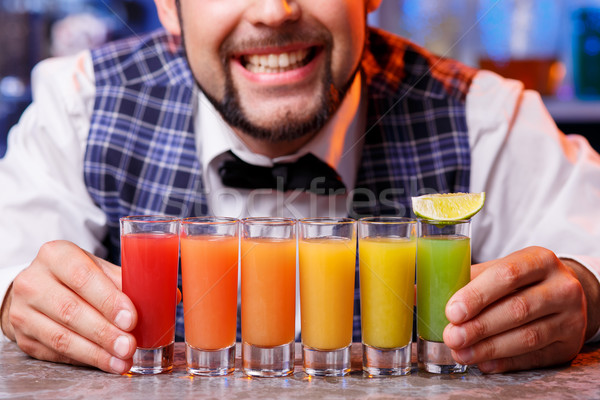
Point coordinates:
[[339, 143]]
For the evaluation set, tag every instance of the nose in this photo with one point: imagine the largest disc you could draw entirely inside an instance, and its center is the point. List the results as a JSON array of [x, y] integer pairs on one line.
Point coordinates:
[[273, 13]]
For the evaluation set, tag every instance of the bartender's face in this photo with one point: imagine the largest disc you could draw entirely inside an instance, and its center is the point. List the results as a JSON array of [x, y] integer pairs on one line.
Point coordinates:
[[275, 69]]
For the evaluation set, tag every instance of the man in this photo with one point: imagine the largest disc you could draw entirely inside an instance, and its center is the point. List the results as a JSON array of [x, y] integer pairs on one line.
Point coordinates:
[[279, 80]]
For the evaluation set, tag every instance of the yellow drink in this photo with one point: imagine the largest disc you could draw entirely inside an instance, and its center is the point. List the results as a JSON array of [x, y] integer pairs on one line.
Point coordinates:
[[327, 268], [387, 277]]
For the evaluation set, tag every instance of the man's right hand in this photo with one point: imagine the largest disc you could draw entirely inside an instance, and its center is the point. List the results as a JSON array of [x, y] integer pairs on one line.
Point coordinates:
[[68, 307]]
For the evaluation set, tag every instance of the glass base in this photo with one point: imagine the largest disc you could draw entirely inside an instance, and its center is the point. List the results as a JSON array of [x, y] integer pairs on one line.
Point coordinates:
[[386, 362], [268, 362], [153, 361], [436, 357], [326, 362], [210, 362]]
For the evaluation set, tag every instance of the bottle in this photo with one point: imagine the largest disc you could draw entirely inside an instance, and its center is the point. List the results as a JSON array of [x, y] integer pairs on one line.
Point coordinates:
[[520, 39], [585, 42]]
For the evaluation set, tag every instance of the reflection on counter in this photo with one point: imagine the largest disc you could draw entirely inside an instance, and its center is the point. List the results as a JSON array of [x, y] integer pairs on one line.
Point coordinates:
[[24, 377]]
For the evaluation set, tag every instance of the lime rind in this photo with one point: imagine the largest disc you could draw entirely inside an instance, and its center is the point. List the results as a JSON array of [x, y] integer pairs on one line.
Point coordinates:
[[448, 207]]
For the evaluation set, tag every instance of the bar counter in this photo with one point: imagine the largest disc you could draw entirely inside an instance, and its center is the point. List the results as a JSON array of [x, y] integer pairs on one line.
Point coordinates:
[[22, 377]]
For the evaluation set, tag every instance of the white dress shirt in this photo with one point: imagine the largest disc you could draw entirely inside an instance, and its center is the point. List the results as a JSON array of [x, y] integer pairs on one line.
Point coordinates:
[[512, 137]]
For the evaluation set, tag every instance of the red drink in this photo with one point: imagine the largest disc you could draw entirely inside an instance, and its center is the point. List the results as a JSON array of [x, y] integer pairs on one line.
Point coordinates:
[[149, 267]]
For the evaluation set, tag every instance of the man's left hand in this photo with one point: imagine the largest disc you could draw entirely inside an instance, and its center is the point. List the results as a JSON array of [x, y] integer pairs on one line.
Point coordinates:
[[526, 310]]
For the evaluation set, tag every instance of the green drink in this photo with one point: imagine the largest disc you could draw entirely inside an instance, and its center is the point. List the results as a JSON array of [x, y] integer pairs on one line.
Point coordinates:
[[443, 267]]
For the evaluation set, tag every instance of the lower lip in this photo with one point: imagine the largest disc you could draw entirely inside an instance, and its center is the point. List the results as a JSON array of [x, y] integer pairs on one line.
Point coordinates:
[[281, 78]]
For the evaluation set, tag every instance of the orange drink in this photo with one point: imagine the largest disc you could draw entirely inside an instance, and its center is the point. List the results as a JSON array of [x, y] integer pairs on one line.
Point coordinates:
[[268, 291], [209, 271], [327, 257], [268, 272]]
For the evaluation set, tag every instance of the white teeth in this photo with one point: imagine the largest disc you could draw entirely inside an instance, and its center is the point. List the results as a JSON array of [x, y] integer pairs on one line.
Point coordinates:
[[284, 60], [254, 59], [263, 60], [273, 63]]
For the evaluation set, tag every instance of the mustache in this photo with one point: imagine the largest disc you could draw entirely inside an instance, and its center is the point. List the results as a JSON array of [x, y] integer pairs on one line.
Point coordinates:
[[276, 38]]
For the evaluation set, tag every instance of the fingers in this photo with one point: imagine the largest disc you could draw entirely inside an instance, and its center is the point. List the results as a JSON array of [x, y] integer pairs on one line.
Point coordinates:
[[69, 311], [47, 340], [531, 346], [508, 344], [510, 312], [112, 271], [86, 276], [477, 269], [496, 279], [527, 307], [66, 308]]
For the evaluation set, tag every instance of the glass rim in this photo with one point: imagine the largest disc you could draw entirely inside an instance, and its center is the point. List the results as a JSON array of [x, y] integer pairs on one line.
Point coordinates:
[[327, 221], [209, 220], [272, 221], [387, 220], [443, 222], [149, 218]]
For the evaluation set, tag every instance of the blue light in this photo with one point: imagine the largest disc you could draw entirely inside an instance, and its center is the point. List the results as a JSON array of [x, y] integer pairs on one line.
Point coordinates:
[[592, 46]]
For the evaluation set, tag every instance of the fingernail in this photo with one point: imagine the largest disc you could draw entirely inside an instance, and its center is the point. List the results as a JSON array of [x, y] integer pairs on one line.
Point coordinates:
[[457, 337], [121, 346], [117, 365], [123, 319], [465, 355], [457, 312]]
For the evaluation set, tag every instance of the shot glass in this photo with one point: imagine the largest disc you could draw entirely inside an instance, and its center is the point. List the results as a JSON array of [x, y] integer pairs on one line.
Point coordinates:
[[386, 251], [268, 265], [327, 256], [149, 260], [209, 269], [443, 267]]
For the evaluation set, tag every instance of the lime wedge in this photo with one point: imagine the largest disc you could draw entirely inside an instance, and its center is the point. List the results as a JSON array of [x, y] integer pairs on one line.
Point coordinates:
[[448, 206]]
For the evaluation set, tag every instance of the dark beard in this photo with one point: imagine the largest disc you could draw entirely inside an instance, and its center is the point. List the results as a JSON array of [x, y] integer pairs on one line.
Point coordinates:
[[289, 127]]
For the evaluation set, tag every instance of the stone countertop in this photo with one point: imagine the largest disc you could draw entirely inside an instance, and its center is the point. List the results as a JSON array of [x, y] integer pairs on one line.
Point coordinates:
[[22, 377]]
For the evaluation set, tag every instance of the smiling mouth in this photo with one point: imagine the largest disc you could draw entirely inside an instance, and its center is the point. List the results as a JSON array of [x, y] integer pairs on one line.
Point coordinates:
[[274, 63]]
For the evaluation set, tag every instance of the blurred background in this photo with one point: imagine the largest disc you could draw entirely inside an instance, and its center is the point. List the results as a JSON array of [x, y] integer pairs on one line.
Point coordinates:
[[553, 46]]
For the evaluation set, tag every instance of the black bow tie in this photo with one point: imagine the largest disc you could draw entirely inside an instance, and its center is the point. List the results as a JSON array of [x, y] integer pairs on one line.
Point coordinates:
[[308, 173]]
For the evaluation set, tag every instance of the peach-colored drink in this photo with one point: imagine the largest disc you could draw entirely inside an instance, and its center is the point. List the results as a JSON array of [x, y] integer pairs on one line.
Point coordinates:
[[268, 291], [209, 267]]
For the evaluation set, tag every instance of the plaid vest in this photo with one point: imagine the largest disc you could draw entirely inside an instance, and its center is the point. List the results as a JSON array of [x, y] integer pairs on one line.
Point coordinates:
[[141, 155]]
